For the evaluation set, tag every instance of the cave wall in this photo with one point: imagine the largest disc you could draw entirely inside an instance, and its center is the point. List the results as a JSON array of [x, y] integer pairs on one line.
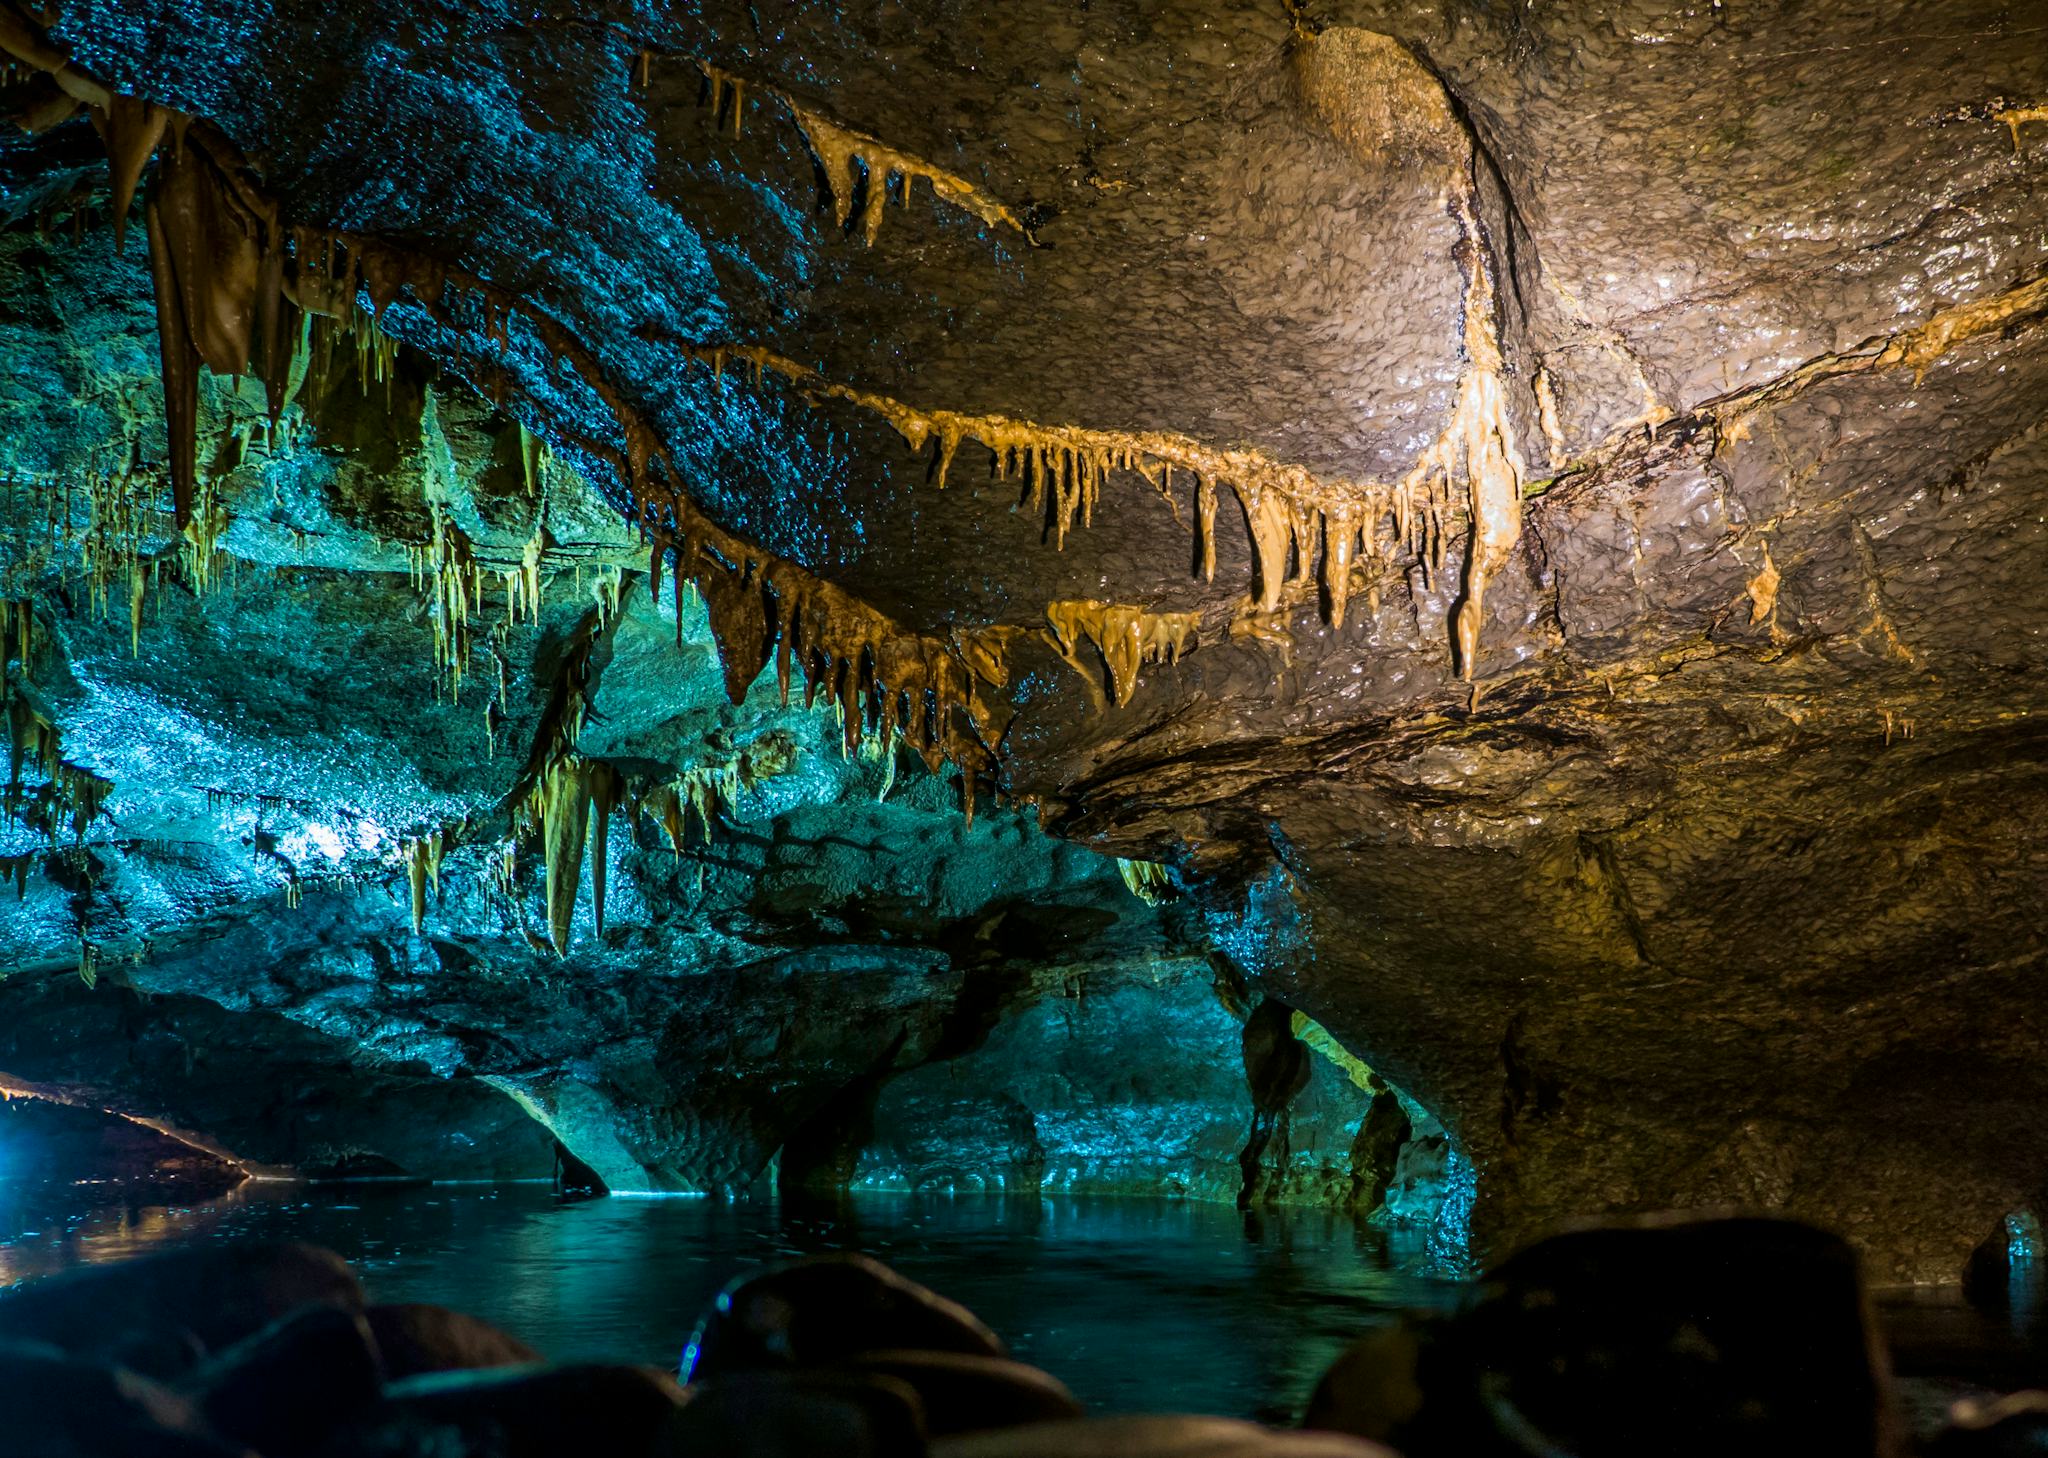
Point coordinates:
[[1659, 812]]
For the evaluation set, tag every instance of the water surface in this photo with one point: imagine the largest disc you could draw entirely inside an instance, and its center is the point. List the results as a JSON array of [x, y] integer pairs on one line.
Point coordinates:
[[1137, 1305]]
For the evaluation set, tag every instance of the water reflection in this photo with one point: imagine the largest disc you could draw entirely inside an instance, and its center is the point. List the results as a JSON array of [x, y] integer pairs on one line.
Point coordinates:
[[1137, 1305]]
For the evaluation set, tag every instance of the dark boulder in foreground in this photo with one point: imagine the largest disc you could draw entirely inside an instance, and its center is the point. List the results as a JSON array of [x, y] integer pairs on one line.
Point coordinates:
[[1155, 1437], [1676, 1335], [57, 1406], [2011, 1427], [162, 1314], [797, 1414], [532, 1412], [414, 1338], [285, 1389], [825, 1309]]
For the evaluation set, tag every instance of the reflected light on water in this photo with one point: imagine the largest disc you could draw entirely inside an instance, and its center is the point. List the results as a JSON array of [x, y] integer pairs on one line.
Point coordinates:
[[1137, 1305]]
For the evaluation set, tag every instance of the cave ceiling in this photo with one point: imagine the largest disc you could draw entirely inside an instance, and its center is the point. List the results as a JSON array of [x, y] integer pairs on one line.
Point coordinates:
[[1670, 833]]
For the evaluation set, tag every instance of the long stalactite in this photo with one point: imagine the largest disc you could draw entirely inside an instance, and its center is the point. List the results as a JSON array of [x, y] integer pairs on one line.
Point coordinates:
[[847, 156]]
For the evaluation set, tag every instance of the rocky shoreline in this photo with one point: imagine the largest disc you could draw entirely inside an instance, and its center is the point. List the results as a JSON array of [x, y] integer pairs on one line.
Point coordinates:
[[1673, 1335]]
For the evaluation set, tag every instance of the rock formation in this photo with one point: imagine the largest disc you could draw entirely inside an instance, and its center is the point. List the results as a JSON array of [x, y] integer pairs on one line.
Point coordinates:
[[1531, 514]]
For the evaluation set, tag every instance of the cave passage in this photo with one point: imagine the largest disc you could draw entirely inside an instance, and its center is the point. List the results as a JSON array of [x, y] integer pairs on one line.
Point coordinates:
[[941, 729]]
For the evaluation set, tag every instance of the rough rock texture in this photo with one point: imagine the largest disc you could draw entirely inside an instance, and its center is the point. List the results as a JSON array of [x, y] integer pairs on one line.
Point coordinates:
[[1718, 881], [241, 910]]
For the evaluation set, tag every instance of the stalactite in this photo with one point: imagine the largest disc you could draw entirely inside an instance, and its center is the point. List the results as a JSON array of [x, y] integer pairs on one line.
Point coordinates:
[[1763, 589], [844, 154], [1127, 637], [1063, 467], [16, 869], [605, 790], [71, 794], [533, 460], [423, 869], [198, 547], [216, 245], [721, 88], [447, 564], [1480, 439], [2016, 117], [1383, 104], [131, 129], [560, 809], [1148, 880]]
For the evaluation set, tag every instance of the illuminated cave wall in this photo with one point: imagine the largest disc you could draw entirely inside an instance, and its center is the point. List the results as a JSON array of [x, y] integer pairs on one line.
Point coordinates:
[[812, 971]]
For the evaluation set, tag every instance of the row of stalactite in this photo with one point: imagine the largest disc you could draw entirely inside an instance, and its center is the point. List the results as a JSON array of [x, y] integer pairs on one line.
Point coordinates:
[[71, 796]]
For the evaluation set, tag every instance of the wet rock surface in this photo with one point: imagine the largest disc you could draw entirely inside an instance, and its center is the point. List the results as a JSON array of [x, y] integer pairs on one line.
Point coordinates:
[[1687, 1335]]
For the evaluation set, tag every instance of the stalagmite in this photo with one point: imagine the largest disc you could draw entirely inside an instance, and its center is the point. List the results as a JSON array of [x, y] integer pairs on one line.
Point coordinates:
[[1127, 638]]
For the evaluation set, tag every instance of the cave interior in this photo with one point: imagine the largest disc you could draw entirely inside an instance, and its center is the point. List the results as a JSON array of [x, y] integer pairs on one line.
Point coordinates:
[[1425, 614]]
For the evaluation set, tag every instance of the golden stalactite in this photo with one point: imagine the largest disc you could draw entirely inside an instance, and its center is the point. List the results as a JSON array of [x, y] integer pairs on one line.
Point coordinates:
[[1149, 881], [845, 155], [1386, 108], [2016, 117], [422, 868], [1127, 637], [72, 796]]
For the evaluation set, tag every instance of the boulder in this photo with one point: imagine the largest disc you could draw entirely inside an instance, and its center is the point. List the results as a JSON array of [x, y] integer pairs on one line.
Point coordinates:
[[2015, 1426], [963, 1393], [1372, 1389], [416, 1338], [1675, 1335], [285, 1389], [801, 1414], [161, 1314], [53, 1405], [529, 1412], [822, 1310], [1154, 1437]]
